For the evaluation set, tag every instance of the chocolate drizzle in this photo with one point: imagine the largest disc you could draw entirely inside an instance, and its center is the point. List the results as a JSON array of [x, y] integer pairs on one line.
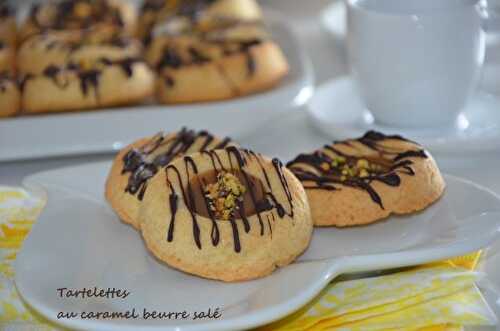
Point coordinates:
[[171, 57], [143, 163], [86, 39], [260, 197], [4, 79], [126, 64], [197, 57], [187, 8], [169, 81], [246, 48], [309, 168], [52, 72], [5, 10], [193, 8], [65, 17], [89, 78], [24, 80]]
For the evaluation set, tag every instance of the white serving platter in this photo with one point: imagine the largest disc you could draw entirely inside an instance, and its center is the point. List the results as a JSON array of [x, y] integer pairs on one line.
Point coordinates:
[[105, 130], [79, 242]]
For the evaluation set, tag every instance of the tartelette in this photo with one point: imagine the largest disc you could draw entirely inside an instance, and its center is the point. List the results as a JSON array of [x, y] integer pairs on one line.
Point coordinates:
[[228, 214], [360, 181], [137, 163]]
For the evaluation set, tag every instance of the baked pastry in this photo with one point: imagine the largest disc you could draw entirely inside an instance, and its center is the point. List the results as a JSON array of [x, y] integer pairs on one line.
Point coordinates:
[[79, 14], [138, 162], [58, 48], [226, 214], [7, 39], [87, 84], [9, 95], [196, 14], [231, 60], [360, 181], [8, 28], [209, 50]]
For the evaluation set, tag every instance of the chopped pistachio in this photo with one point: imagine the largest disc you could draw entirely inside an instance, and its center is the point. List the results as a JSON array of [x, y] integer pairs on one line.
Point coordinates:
[[223, 195], [325, 166], [230, 201], [226, 214], [339, 159], [363, 173], [351, 172]]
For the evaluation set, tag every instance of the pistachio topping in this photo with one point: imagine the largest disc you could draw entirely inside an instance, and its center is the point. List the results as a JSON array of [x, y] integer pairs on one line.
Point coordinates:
[[364, 160], [223, 196], [347, 169]]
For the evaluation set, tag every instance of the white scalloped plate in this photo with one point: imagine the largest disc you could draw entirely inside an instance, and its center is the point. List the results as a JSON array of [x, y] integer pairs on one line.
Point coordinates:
[[100, 131], [79, 242]]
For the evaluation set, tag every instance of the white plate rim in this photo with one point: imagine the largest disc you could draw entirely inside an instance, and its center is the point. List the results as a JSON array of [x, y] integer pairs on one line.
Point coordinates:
[[272, 313]]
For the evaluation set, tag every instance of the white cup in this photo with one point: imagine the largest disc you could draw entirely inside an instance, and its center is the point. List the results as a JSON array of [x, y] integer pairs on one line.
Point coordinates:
[[415, 62]]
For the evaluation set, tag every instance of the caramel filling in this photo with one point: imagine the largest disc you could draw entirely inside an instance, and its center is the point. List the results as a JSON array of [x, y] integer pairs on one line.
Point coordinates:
[[226, 195]]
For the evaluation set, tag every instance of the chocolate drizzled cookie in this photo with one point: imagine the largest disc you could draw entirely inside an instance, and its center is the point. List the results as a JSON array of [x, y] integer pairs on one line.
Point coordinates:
[[374, 169], [228, 214], [137, 163]]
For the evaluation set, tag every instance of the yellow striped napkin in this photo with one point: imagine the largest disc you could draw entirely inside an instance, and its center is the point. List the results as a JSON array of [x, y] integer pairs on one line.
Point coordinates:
[[436, 297], [441, 297]]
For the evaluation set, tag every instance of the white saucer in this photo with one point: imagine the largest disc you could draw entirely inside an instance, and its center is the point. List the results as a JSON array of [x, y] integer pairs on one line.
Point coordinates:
[[337, 110]]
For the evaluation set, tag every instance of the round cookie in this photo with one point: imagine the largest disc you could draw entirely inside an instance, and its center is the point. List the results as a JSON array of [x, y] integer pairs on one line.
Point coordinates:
[[360, 181], [9, 96], [80, 14], [86, 85], [229, 215], [58, 48], [223, 63], [138, 162]]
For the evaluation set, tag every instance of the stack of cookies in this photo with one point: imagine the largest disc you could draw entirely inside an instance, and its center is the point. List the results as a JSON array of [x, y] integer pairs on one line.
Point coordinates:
[[210, 208], [208, 50], [82, 54]]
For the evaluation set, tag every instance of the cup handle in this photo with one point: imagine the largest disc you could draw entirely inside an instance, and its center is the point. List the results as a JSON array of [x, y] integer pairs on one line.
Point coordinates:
[[490, 16]]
